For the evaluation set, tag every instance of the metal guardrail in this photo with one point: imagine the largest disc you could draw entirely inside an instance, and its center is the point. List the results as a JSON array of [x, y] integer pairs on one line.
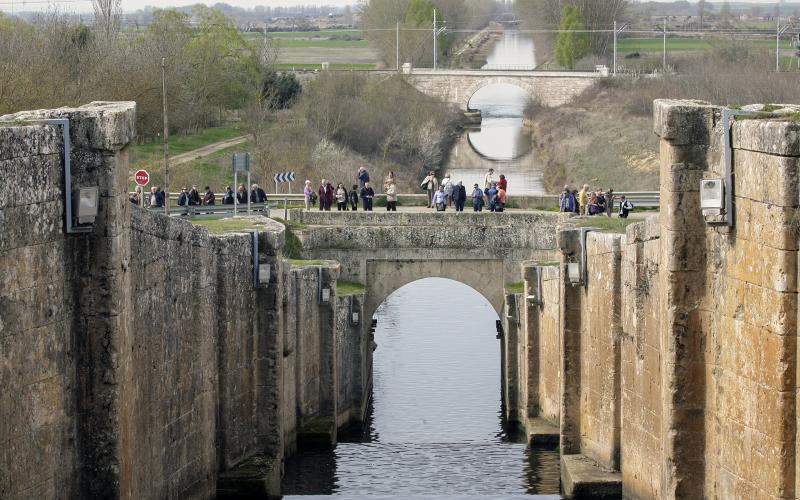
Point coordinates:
[[641, 199]]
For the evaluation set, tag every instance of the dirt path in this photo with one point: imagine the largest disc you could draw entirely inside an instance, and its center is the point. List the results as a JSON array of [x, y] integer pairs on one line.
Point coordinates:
[[207, 150]]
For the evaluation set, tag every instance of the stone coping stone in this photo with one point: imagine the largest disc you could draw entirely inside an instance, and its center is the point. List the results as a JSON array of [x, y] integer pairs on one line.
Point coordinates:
[[488, 219], [542, 432], [422, 497], [100, 125], [581, 477]]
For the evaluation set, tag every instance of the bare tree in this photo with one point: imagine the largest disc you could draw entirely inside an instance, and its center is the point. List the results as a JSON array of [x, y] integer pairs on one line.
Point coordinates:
[[107, 16]]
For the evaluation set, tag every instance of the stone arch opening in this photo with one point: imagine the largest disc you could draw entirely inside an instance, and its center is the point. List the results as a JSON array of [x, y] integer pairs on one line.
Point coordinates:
[[386, 277], [525, 85]]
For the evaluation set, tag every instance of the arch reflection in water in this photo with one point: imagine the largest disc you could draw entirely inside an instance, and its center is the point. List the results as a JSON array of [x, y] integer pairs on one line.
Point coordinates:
[[436, 426], [501, 135]]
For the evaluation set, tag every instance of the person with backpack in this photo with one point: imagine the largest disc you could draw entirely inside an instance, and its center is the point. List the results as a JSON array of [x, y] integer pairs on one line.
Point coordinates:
[[625, 207], [566, 201], [491, 194], [367, 194], [430, 184], [477, 198]]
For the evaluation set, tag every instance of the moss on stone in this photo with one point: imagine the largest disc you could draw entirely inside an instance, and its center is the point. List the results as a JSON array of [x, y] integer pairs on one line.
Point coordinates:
[[221, 226], [345, 288], [518, 287], [612, 225]]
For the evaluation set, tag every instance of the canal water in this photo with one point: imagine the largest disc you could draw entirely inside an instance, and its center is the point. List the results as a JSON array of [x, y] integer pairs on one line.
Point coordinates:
[[435, 427], [500, 141]]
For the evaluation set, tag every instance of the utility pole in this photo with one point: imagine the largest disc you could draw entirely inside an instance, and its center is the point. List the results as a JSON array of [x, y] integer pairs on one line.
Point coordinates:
[[617, 31], [397, 46], [434, 39], [166, 134], [779, 30], [664, 60]]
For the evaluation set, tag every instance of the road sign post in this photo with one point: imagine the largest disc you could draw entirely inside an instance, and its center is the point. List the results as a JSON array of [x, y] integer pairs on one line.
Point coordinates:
[[142, 179], [241, 163]]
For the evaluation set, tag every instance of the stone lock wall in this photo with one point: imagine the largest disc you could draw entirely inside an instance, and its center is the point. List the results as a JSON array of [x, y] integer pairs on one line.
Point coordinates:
[[677, 362], [138, 360]]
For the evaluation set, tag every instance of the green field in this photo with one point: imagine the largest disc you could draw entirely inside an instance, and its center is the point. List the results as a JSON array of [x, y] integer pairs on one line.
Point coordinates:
[[657, 44], [318, 67], [310, 34], [319, 42], [625, 45]]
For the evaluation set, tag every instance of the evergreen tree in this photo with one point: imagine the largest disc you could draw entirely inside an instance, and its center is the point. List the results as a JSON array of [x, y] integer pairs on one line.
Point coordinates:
[[572, 42]]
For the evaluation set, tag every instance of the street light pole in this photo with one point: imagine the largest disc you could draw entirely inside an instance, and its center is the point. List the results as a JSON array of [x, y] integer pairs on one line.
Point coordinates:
[[166, 134], [397, 46]]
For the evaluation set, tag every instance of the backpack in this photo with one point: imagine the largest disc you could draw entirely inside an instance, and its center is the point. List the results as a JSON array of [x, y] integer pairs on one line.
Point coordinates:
[[313, 198]]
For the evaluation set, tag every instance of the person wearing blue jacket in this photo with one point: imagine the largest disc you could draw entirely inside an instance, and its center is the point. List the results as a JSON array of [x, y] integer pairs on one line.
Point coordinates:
[[567, 201], [477, 199], [459, 196], [492, 195], [363, 177]]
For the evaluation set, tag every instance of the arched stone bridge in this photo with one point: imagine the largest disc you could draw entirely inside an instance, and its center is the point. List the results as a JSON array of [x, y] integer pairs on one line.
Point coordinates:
[[386, 251], [551, 88]]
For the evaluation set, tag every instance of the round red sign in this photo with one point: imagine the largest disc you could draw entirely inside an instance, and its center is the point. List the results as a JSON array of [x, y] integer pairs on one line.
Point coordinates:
[[142, 178]]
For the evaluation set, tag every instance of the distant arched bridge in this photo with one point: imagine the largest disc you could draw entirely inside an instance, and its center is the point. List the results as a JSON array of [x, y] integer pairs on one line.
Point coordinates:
[[551, 88]]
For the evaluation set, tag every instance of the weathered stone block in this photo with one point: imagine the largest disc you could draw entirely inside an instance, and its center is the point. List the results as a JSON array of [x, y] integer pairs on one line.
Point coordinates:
[[767, 135], [684, 122]]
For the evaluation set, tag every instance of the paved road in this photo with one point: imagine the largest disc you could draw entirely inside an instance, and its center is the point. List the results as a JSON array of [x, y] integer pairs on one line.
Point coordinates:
[[207, 150]]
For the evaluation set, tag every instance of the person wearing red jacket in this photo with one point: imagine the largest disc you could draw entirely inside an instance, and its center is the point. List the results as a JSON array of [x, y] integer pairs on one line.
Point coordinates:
[[325, 195], [502, 183]]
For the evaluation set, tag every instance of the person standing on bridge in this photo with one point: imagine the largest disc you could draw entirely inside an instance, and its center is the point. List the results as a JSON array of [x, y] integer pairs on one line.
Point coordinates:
[[308, 195], [431, 185], [341, 198], [194, 197], [228, 198], [367, 194], [391, 197], [388, 181], [459, 196], [447, 184], [477, 199], [500, 200], [625, 207], [183, 198], [241, 195], [325, 195], [502, 183], [491, 194], [609, 202], [363, 177], [209, 199], [354, 198], [257, 195], [488, 179], [566, 201], [583, 199], [440, 200]]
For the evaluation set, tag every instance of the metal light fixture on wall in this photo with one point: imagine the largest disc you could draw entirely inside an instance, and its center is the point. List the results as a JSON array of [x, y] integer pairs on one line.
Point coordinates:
[[86, 205]]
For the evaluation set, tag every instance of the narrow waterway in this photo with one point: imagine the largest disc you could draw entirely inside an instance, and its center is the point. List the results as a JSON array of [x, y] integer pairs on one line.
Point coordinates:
[[500, 141], [436, 425]]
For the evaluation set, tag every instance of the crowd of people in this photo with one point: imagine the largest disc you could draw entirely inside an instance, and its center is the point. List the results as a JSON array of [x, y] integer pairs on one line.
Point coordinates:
[[157, 198], [598, 202], [441, 194], [447, 193], [349, 199]]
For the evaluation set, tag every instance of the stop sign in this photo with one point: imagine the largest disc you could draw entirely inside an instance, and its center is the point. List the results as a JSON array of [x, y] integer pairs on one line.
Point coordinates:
[[142, 178]]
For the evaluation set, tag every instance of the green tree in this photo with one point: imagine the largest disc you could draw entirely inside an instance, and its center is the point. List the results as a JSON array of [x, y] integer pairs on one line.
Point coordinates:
[[572, 42], [279, 90], [420, 13]]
